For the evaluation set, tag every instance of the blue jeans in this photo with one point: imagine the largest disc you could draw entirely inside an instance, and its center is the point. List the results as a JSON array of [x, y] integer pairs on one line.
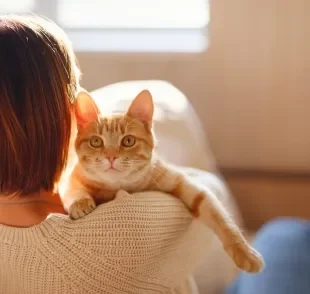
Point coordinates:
[[285, 246]]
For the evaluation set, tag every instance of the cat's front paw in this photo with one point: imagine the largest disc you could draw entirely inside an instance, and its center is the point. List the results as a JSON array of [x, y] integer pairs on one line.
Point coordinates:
[[245, 257], [81, 207]]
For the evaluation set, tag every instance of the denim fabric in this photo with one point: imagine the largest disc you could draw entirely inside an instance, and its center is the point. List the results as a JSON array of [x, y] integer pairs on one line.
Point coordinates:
[[285, 246]]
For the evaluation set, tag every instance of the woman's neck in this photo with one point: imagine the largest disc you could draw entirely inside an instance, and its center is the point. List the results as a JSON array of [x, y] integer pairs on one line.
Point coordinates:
[[28, 210]]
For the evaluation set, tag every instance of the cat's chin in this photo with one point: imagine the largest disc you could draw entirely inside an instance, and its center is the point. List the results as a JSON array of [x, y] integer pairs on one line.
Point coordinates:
[[113, 175]]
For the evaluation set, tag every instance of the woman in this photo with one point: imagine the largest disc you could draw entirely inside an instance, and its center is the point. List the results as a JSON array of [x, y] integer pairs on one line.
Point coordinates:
[[130, 245]]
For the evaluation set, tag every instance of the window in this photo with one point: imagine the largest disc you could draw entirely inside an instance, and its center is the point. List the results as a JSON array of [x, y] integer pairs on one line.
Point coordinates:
[[124, 25], [16, 6], [142, 14]]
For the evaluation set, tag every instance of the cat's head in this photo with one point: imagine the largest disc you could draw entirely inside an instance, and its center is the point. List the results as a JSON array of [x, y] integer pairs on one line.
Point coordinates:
[[110, 148]]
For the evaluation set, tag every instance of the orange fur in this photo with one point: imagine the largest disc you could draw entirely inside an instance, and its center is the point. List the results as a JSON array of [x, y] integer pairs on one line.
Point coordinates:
[[137, 168], [196, 204]]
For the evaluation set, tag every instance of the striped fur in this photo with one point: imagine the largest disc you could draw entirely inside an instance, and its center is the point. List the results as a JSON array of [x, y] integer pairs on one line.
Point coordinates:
[[139, 169]]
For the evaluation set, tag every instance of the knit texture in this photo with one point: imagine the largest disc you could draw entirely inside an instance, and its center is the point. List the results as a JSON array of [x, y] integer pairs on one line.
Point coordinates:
[[142, 243]]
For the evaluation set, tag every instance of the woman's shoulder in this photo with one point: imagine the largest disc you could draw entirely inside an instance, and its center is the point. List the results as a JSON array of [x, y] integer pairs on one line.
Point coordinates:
[[128, 216], [146, 220], [137, 229]]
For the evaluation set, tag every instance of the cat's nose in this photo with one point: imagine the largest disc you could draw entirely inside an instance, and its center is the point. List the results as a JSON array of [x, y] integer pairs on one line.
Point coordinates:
[[111, 159]]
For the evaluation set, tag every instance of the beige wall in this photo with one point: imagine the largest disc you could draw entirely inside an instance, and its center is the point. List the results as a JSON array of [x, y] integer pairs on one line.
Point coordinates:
[[251, 88]]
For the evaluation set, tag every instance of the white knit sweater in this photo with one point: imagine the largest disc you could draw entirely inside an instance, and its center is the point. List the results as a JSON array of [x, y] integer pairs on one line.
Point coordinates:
[[143, 243]]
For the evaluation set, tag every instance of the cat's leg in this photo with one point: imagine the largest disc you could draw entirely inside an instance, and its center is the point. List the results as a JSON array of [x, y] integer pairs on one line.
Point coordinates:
[[76, 199], [78, 203], [206, 207]]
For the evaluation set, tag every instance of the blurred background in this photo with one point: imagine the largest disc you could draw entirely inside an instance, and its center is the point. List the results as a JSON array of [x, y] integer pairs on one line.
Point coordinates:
[[243, 64]]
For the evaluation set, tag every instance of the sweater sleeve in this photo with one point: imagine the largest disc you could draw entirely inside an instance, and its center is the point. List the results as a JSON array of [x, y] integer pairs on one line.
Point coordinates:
[[147, 238]]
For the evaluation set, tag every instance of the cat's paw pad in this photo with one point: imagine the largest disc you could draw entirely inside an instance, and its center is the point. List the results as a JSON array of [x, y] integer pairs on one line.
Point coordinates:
[[246, 257], [81, 207]]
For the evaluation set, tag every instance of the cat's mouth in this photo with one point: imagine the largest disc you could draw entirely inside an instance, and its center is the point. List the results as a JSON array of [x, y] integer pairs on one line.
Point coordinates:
[[113, 169]]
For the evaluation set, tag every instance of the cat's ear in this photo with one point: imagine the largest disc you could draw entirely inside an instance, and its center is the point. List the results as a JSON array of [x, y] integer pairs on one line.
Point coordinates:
[[86, 110], [142, 107]]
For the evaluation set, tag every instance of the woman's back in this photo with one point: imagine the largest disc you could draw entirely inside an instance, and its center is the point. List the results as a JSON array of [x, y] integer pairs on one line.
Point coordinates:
[[144, 243]]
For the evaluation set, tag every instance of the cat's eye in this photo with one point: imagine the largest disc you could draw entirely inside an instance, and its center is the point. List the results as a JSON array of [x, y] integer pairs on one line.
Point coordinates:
[[95, 142], [129, 141]]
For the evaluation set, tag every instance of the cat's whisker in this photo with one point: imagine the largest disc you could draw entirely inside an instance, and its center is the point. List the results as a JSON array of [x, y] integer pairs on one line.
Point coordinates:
[[136, 160], [137, 169], [133, 162]]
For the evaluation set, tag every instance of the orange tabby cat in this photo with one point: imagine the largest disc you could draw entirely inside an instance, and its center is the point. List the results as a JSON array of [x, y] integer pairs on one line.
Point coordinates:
[[117, 152]]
